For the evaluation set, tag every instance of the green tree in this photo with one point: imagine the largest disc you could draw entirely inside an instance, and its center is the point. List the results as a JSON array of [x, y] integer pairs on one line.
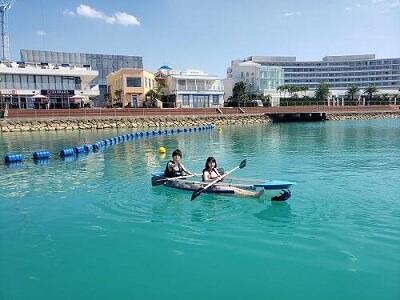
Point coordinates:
[[370, 91], [152, 96], [241, 92], [322, 92], [352, 91]]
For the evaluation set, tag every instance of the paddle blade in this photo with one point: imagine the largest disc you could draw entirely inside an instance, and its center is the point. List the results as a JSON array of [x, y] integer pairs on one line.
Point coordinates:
[[242, 163], [196, 193]]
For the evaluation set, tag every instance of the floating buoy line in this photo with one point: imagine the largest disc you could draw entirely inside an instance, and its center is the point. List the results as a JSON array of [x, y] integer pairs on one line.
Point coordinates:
[[43, 156]]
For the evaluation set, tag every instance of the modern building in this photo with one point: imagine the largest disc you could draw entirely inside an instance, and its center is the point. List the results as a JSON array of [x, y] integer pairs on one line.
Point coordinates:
[[262, 80], [128, 87], [24, 85], [103, 63], [191, 88], [339, 72]]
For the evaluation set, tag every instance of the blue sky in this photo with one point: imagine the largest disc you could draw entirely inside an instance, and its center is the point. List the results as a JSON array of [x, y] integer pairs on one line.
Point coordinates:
[[207, 34]]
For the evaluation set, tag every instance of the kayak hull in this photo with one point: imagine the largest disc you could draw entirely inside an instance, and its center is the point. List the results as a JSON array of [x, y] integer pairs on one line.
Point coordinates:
[[227, 186]]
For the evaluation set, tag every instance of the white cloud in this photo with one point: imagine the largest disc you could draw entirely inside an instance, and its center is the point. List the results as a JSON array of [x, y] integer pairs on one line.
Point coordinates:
[[348, 9], [358, 5], [291, 13], [68, 12], [126, 19], [377, 1], [40, 33], [86, 11], [121, 18]]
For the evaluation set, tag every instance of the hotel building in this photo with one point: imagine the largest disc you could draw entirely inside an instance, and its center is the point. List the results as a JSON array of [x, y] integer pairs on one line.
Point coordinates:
[[339, 72]]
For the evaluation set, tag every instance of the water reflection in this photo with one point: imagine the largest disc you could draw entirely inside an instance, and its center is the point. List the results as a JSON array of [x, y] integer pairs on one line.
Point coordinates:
[[278, 213]]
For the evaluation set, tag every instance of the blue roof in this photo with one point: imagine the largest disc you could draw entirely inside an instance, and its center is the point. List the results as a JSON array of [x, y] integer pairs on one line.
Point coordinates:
[[165, 67]]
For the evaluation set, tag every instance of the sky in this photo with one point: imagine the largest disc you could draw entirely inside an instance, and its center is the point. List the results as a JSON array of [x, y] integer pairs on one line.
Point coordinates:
[[207, 34]]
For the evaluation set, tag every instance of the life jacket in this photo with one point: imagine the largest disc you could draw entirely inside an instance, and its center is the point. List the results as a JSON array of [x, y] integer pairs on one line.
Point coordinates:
[[173, 173]]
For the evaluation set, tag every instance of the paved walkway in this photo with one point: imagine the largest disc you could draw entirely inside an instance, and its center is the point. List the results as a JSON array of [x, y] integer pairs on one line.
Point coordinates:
[[151, 112]]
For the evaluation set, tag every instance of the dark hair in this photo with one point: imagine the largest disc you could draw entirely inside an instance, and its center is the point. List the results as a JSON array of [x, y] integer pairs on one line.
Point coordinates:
[[177, 152], [210, 159]]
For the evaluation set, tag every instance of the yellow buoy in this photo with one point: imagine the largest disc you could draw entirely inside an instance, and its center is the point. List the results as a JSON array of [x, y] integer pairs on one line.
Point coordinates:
[[162, 150], [220, 129]]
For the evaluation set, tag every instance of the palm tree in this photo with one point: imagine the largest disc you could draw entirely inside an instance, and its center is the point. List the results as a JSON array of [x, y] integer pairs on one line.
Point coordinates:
[[280, 89], [322, 92], [304, 89], [352, 91], [370, 91]]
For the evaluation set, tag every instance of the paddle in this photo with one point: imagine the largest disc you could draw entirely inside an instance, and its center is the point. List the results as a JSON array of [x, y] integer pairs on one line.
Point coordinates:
[[179, 177], [202, 189]]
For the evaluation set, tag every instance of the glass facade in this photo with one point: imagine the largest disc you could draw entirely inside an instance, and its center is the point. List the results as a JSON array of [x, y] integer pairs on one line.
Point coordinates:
[[37, 82], [103, 63], [270, 78]]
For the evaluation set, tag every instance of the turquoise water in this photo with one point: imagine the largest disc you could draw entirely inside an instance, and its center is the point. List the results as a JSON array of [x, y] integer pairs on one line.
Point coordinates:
[[94, 228]]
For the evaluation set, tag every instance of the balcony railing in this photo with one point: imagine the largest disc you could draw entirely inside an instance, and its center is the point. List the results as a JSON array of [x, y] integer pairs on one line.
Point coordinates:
[[200, 89]]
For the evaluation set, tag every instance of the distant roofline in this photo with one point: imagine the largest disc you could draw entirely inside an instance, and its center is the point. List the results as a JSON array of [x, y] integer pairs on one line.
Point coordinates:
[[51, 51], [329, 58]]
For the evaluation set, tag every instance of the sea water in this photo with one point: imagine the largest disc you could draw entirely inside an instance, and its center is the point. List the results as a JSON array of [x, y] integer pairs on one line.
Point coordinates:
[[94, 228]]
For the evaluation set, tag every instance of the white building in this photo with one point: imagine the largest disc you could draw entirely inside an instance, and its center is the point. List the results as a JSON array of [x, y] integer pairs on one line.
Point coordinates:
[[263, 80], [24, 85], [339, 72], [191, 88]]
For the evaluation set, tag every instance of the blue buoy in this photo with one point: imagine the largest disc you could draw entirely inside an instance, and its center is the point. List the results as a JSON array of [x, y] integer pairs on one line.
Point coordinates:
[[13, 158], [88, 147], [41, 154], [79, 149], [67, 152], [96, 146]]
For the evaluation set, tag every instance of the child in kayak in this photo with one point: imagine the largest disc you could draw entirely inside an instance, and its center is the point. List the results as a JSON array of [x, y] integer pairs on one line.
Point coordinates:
[[174, 167], [211, 173]]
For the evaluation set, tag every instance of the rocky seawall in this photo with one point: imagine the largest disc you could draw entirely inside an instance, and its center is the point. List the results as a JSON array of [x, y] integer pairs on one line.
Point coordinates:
[[362, 116], [15, 125], [8, 125]]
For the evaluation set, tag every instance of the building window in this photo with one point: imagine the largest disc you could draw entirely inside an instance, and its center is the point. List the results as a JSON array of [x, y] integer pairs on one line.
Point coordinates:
[[215, 99], [133, 82], [186, 100]]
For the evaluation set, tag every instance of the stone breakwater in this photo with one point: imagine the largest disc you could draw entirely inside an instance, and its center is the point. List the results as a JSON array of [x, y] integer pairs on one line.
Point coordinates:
[[365, 116], [132, 122]]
